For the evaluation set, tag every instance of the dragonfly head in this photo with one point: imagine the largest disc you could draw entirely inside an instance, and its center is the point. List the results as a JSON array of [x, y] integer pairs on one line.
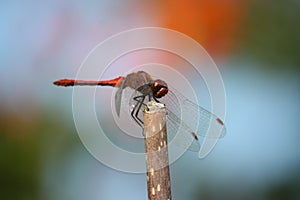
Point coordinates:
[[159, 88]]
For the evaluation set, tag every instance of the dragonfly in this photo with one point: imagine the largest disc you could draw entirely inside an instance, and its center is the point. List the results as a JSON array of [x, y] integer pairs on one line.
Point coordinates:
[[184, 116]]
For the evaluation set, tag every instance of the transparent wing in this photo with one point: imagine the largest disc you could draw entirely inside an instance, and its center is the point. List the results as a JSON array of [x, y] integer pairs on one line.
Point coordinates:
[[187, 121], [209, 125], [180, 133], [118, 98]]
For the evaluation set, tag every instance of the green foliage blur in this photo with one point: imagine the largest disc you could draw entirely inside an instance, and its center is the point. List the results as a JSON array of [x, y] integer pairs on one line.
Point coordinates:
[[271, 33], [26, 143]]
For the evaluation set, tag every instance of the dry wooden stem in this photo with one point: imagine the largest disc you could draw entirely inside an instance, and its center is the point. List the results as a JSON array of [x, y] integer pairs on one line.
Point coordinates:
[[157, 161]]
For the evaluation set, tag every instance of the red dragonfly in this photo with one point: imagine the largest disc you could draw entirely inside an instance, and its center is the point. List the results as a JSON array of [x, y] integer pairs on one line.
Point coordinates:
[[199, 120]]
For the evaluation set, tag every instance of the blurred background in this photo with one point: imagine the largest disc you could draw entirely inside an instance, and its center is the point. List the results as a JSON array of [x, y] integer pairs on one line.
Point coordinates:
[[256, 46]]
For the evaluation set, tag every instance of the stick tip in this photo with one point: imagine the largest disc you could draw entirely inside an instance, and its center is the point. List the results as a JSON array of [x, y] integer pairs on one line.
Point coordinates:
[[153, 106]]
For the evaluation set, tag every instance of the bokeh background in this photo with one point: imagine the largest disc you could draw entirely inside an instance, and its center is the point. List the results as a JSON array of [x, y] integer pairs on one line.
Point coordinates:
[[255, 44]]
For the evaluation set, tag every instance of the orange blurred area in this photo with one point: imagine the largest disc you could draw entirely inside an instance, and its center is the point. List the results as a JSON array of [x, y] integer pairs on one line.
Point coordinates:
[[214, 24]]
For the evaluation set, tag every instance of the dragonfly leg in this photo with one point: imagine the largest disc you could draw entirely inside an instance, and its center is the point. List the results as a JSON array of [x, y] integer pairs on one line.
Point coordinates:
[[139, 99], [155, 99], [132, 115], [136, 109]]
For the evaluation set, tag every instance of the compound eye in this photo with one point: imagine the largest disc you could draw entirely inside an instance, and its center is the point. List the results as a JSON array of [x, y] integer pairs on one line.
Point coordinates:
[[161, 92], [160, 88]]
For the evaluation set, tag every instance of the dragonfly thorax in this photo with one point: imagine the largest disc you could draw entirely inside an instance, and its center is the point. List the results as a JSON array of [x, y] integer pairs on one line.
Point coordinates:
[[159, 88]]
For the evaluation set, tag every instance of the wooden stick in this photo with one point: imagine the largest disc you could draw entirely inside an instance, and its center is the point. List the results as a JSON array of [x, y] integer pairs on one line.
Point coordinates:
[[157, 161]]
